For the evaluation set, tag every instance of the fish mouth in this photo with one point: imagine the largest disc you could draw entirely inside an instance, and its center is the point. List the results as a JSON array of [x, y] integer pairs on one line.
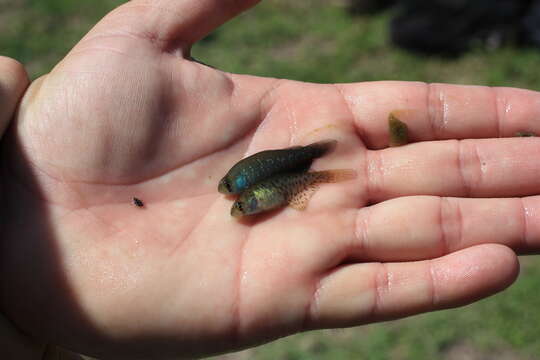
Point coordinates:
[[236, 212], [222, 187]]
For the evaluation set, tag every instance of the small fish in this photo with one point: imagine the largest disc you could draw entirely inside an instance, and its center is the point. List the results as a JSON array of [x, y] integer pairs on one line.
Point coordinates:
[[264, 164], [399, 132], [525, 134], [294, 189]]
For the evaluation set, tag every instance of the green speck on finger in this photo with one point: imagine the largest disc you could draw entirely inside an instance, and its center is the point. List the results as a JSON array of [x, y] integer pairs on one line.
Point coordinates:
[[399, 132]]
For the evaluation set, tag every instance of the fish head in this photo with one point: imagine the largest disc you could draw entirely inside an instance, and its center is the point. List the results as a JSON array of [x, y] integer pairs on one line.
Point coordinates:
[[233, 184], [225, 186], [245, 206]]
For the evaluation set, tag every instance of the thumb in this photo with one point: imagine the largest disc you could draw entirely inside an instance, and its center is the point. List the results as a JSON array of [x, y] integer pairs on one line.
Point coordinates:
[[171, 24]]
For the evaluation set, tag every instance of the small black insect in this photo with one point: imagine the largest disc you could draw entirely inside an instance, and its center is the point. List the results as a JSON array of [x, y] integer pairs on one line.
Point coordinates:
[[138, 202]]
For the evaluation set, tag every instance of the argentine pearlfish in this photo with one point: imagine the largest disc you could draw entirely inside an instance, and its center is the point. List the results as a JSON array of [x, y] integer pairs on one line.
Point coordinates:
[[264, 164], [294, 189]]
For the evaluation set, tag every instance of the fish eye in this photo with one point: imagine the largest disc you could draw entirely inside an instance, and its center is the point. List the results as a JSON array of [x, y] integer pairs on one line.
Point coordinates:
[[225, 186], [239, 206]]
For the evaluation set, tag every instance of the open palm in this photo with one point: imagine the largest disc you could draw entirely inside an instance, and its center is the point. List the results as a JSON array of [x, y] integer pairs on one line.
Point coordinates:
[[128, 113]]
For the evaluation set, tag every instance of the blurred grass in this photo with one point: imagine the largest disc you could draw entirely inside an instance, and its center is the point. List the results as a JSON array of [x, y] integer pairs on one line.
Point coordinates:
[[40, 32], [318, 41]]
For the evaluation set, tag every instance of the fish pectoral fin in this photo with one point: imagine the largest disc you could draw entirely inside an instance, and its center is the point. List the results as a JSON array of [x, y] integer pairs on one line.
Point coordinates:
[[300, 200]]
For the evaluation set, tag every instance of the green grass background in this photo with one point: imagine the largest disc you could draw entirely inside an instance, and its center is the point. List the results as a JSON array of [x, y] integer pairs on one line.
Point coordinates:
[[318, 41]]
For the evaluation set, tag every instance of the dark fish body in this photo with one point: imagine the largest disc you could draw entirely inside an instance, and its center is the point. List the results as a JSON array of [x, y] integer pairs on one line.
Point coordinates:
[[265, 164], [294, 189]]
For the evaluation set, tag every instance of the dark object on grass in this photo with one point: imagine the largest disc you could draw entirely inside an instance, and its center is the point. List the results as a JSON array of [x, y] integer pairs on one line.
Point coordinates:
[[450, 27], [138, 202], [360, 7], [531, 24], [398, 131]]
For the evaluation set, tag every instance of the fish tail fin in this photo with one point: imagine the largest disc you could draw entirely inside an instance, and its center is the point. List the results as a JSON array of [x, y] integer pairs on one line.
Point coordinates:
[[336, 175], [324, 147]]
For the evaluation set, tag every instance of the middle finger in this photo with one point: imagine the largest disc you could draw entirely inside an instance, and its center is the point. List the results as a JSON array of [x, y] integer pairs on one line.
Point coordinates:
[[459, 168], [425, 227]]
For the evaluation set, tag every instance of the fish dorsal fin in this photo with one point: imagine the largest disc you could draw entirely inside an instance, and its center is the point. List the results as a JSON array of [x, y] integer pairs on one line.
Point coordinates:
[[300, 200]]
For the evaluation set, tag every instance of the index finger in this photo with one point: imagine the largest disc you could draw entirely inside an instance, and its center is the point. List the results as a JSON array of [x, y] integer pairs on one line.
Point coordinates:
[[440, 111]]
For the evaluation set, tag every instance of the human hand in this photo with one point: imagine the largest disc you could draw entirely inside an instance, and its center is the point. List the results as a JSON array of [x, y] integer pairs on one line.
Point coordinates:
[[128, 113]]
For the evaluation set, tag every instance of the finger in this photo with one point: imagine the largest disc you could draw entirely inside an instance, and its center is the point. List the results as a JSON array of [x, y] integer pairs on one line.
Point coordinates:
[[471, 168], [171, 24], [424, 227], [361, 293], [440, 111], [13, 83]]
